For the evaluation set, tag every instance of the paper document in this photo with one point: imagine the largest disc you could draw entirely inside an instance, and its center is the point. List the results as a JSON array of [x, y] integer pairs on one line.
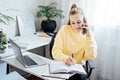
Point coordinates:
[[57, 76], [61, 67], [7, 53]]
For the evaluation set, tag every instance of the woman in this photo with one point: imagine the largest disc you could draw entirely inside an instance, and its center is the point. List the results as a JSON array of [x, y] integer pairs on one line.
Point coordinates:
[[71, 45]]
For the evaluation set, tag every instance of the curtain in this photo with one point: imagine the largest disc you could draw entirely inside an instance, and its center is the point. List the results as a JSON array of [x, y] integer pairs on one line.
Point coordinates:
[[107, 62], [104, 19]]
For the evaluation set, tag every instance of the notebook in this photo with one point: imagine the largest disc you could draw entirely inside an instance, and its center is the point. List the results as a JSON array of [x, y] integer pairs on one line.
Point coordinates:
[[26, 60], [58, 76], [61, 67]]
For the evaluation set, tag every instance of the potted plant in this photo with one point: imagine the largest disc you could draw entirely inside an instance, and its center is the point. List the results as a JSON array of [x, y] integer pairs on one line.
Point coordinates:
[[5, 19], [49, 12]]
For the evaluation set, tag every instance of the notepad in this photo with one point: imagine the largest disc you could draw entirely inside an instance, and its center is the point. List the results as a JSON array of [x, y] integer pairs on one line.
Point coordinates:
[[61, 67], [58, 76]]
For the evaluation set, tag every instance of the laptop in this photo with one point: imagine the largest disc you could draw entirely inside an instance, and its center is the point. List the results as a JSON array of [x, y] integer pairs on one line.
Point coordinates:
[[26, 60]]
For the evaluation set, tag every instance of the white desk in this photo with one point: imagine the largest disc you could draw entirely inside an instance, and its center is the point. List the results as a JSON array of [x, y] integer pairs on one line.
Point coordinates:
[[31, 42], [7, 53], [37, 71]]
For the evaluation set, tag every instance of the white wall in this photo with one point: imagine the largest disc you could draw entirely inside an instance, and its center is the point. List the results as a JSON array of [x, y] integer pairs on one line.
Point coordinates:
[[14, 7]]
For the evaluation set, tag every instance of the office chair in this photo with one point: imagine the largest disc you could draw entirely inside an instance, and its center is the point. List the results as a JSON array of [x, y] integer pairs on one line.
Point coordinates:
[[89, 65]]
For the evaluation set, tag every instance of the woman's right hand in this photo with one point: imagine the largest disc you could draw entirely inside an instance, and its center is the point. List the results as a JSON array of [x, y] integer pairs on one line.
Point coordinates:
[[70, 61]]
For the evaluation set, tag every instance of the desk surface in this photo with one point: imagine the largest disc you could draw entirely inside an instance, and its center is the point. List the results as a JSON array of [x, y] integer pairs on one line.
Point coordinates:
[[27, 42], [31, 42], [37, 71], [7, 53]]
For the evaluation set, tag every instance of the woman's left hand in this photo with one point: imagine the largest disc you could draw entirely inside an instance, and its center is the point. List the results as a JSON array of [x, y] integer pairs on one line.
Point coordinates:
[[85, 26]]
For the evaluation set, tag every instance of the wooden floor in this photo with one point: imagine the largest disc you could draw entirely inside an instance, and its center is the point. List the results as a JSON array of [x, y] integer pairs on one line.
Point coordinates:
[[33, 78]]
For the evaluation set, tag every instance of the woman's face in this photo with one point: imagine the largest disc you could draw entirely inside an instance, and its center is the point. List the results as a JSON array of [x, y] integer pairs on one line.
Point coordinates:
[[76, 21]]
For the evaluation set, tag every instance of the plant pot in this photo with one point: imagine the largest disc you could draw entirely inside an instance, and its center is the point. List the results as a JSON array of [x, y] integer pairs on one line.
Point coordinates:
[[48, 26]]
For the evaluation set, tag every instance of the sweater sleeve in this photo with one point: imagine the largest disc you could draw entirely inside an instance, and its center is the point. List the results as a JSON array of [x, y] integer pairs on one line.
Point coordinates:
[[90, 48], [57, 50]]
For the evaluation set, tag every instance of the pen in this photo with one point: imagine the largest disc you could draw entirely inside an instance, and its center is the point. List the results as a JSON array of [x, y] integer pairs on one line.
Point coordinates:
[[72, 60], [72, 55]]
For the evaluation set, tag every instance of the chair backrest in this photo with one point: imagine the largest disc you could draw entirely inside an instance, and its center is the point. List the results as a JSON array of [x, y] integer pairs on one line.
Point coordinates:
[[52, 43]]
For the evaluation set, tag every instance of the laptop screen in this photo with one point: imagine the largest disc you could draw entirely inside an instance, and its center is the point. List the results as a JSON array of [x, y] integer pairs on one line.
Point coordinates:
[[17, 51], [26, 61]]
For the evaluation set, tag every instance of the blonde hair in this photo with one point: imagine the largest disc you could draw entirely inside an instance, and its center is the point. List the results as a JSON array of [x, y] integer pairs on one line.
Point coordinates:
[[74, 10]]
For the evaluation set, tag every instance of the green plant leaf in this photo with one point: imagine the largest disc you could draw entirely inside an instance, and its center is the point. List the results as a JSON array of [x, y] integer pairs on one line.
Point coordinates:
[[5, 19], [2, 47], [49, 11], [4, 40]]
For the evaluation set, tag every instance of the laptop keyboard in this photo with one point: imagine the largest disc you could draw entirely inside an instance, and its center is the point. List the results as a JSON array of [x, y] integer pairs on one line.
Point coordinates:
[[29, 61]]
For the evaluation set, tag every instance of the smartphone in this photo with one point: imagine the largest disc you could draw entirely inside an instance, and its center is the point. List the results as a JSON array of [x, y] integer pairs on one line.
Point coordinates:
[[0, 38], [83, 29]]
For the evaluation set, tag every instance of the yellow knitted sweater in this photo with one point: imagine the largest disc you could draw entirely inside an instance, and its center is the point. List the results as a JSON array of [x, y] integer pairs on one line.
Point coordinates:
[[68, 42]]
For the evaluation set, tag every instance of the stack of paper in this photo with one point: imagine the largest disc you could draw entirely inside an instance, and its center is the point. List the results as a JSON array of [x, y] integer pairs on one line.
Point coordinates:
[[8, 52], [46, 73]]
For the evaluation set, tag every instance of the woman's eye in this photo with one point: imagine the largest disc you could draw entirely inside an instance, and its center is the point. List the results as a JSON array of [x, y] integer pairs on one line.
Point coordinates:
[[73, 23], [78, 22]]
